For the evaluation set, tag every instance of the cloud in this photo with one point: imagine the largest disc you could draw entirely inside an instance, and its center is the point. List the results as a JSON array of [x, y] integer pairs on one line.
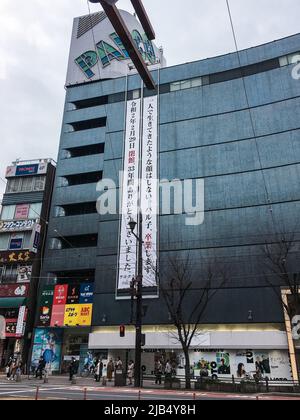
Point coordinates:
[[34, 43]]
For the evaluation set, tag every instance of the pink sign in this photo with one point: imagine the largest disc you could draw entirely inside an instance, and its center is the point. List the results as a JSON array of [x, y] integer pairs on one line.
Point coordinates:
[[22, 211]]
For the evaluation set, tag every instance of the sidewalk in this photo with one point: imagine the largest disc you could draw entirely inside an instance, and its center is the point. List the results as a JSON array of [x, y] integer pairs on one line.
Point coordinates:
[[149, 386]]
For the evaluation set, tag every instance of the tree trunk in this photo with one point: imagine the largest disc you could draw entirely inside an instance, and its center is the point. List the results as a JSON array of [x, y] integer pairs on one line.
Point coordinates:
[[187, 368]]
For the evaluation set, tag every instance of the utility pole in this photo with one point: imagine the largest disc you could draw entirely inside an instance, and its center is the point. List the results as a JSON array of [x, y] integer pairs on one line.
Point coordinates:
[[139, 302]]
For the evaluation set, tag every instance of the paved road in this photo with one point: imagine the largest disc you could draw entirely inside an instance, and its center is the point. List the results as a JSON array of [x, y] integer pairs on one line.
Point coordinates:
[[21, 391]]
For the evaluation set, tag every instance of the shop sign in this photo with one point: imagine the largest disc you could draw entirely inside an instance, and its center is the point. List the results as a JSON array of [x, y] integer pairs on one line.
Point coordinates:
[[25, 170], [17, 226], [7, 257], [22, 211], [13, 290]]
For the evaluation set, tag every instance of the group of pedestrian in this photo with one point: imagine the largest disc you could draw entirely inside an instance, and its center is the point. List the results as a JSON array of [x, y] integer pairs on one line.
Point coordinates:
[[13, 368], [168, 369]]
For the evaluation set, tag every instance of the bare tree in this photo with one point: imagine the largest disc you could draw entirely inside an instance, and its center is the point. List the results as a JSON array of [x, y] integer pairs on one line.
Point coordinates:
[[187, 304], [283, 271]]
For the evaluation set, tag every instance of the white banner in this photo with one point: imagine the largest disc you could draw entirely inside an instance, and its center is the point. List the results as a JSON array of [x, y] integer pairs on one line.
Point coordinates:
[[128, 243], [20, 323], [149, 190]]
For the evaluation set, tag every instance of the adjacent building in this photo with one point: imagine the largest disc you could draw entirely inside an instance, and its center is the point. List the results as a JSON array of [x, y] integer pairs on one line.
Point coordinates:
[[236, 128], [23, 224]]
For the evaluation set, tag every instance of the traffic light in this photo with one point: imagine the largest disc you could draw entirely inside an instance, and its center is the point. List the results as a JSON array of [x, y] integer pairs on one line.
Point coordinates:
[[122, 331]]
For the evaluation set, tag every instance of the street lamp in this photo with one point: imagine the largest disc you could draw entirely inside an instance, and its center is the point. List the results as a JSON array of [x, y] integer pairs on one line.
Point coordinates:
[[139, 300]]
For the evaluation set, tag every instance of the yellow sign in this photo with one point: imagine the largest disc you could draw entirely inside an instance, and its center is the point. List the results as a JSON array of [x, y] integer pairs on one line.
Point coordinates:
[[78, 315], [85, 317]]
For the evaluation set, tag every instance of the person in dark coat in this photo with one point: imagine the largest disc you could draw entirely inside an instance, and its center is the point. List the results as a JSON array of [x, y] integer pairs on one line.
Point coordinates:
[[40, 368], [73, 368]]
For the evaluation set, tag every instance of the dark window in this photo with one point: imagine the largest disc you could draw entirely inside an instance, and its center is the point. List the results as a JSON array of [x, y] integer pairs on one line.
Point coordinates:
[[116, 97], [93, 149], [80, 241], [244, 71], [79, 209], [81, 179], [74, 277], [89, 124], [89, 103]]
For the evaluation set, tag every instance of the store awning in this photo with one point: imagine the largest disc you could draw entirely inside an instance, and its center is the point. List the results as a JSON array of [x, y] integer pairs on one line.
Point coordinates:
[[8, 303]]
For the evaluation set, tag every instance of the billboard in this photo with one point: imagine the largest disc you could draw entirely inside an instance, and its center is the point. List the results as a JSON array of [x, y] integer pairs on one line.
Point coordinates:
[[67, 306], [227, 363], [26, 170], [108, 58], [47, 344]]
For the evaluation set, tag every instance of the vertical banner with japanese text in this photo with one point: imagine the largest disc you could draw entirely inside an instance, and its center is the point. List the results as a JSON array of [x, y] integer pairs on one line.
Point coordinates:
[[149, 190], [130, 191]]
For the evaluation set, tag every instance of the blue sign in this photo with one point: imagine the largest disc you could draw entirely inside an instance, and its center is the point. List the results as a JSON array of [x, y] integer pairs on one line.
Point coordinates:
[[27, 170], [86, 293], [16, 243]]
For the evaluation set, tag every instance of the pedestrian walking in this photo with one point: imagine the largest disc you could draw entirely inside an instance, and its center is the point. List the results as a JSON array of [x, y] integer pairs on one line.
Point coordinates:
[[99, 369], [73, 368], [130, 372], [110, 370], [168, 371], [9, 368], [158, 372], [40, 369]]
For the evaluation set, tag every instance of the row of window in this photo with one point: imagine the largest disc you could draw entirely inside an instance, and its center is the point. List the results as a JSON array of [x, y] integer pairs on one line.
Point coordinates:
[[191, 83], [286, 60], [80, 179], [15, 241], [89, 150], [75, 209], [21, 212], [69, 242], [26, 184], [15, 274]]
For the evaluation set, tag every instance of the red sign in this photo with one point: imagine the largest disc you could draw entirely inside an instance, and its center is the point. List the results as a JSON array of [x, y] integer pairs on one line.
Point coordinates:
[[58, 316], [60, 294], [7, 257], [11, 327], [14, 290]]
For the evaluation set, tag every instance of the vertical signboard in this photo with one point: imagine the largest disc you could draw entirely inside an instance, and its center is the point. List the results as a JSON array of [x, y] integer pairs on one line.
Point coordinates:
[[140, 187], [149, 190], [20, 322], [128, 243]]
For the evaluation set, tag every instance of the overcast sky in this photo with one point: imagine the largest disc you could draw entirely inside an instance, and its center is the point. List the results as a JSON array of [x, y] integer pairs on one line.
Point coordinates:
[[35, 38]]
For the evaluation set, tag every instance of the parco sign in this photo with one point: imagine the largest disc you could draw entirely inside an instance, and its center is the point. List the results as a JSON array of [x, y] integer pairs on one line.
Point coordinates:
[[97, 52]]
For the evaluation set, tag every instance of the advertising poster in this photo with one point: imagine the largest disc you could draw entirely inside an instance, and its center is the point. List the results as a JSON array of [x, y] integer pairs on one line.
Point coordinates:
[[85, 315], [58, 316], [48, 344], [86, 293], [60, 295], [72, 314], [22, 211], [46, 303], [73, 295], [272, 364], [16, 242]]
